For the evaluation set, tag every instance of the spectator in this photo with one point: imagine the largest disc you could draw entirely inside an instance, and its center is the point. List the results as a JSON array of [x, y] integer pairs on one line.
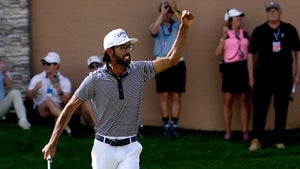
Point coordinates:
[[170, 84], [270, 65], [10, 97], [233, 51], [116, 89], [50, 90], [87, 113]]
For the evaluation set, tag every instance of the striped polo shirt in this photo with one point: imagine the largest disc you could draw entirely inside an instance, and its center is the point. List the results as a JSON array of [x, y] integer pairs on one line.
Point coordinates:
[[117, 101]]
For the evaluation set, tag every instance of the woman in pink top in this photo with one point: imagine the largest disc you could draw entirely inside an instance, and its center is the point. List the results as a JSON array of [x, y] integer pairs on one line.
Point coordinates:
[[233, 51]]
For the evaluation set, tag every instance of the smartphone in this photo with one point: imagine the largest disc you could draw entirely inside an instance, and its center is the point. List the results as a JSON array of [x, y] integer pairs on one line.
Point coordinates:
[[55, 79]]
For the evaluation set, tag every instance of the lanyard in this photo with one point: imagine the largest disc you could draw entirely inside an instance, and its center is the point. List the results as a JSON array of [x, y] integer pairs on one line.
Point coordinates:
[[169, 29], [237, 36], [276, 35]]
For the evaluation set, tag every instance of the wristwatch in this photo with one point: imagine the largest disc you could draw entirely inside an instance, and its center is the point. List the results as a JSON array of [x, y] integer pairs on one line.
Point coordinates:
[[60, 93]]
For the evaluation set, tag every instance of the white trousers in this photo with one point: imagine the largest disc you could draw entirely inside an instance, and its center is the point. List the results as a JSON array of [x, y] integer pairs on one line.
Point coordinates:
[[13, 98], [105, 156]]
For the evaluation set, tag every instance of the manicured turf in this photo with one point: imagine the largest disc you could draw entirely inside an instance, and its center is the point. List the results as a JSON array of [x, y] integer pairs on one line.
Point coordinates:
[[21, 149]]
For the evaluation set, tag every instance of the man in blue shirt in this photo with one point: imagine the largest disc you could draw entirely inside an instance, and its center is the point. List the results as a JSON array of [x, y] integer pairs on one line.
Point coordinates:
[[170, 83]]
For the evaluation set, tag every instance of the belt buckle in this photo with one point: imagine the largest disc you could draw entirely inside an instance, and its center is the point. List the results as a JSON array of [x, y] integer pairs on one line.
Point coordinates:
[[114, 142]]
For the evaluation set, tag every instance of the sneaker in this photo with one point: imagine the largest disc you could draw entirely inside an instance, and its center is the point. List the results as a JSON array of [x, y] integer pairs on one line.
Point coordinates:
[[68, 131], [167, 131], [246, 136], [280, 146], [3, 118], [175, 131], [227, 136], [255, 145], [24, 124]]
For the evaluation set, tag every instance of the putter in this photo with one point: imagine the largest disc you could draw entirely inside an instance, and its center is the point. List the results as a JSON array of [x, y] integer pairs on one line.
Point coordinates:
[[293, 92], [49, 162]]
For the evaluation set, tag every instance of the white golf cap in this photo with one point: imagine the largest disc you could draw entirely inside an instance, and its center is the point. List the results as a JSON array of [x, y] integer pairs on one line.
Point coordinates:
[[93, 59], [52, 57], [231, 13], [117, 37]]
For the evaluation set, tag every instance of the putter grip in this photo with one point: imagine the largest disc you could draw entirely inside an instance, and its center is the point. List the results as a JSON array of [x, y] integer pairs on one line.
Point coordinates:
[[49, 162]]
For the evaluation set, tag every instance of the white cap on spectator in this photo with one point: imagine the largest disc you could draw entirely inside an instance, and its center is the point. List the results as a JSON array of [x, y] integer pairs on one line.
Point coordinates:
[[93, 59], [231, 13], [52, 57]]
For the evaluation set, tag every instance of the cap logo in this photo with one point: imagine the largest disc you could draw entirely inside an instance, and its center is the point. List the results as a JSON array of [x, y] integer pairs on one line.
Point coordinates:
[[122, 34]]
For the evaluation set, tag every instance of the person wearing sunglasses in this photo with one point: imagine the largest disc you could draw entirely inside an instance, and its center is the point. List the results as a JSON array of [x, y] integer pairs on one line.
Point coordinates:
[[170, 84], [116, 91], [10, 97], [87, 117], [50, 90]]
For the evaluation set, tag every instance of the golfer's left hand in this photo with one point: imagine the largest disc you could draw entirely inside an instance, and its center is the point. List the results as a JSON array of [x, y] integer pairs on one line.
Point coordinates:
[[186, 18], [48, 151]]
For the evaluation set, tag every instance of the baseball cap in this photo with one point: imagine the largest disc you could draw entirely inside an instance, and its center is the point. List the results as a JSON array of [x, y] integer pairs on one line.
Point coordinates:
[[93, 59], [272, 5], [117, 37], [52, 57], [231, 13]]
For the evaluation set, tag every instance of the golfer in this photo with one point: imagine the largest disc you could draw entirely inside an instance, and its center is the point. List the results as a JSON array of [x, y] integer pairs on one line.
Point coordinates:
[[116, 92]]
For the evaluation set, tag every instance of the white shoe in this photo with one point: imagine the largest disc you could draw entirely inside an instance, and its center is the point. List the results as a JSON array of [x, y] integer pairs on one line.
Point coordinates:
[[24, 123], [82, 121]]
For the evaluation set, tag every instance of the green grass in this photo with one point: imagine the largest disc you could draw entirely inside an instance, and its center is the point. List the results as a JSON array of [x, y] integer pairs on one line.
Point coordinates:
[[21, 149]]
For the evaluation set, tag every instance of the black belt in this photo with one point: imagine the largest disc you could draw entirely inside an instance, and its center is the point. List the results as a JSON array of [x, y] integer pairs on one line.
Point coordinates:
[[116, 142]]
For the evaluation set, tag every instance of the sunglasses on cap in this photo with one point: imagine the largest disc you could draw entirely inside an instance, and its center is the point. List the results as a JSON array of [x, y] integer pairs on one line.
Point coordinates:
[[48, 64], [94, 65]]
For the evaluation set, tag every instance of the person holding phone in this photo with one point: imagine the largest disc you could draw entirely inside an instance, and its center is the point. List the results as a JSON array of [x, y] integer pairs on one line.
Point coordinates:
[[170, 84], [232, 49], [50, 90]]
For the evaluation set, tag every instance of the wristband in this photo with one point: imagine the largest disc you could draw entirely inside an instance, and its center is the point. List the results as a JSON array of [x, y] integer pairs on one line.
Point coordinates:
[[177, 13]]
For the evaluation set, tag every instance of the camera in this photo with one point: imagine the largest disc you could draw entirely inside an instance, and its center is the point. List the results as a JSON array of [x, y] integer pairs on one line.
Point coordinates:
[[166, 5]]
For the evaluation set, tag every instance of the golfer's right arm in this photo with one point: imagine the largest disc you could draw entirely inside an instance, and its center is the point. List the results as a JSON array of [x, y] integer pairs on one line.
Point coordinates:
[[176, 50], [62, 121]]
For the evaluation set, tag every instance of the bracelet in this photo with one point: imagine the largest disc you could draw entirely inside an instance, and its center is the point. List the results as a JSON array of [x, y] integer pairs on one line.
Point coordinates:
[[177, 13], [60, 93], [5, 74]]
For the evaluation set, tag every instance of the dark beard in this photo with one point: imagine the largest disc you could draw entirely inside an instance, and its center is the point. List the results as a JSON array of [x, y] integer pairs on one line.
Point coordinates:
[[122, 61]]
